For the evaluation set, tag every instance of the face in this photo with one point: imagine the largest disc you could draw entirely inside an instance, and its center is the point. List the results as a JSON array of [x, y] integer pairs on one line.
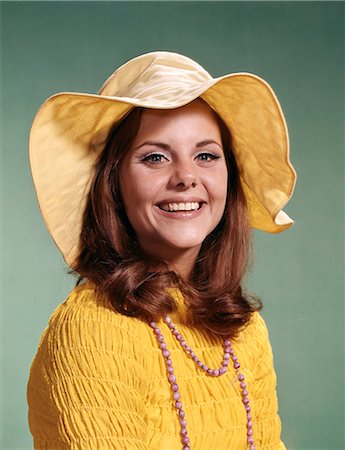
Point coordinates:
[[173, 180]]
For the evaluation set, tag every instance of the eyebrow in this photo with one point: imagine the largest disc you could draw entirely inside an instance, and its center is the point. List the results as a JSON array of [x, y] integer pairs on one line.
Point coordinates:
[[155, 144], [164, 146], [207, 142]]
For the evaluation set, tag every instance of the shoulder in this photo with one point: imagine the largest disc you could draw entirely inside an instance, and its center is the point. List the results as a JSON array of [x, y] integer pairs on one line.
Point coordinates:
[[86, 322], [257, 329], [253, 342], [86, 305]]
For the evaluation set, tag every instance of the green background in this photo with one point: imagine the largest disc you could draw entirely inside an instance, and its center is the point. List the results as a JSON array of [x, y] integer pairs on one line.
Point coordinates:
[[298, 48]]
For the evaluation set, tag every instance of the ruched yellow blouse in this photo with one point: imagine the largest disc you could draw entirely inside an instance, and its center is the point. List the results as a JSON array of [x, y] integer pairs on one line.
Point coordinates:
[[98, 381]]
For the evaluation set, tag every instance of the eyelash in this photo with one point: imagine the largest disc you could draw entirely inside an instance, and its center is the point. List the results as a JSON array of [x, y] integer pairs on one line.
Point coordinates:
[[152, 157], [209, 156]]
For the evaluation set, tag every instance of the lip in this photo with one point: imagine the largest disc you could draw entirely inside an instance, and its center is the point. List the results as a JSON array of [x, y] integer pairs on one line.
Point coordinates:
[[181, 200], [179, 215]]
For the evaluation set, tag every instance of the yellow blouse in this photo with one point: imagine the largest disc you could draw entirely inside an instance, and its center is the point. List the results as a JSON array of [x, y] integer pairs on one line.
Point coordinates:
[[98, 381]]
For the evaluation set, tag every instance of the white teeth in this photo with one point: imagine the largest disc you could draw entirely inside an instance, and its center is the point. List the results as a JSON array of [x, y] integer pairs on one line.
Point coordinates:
[[189, 206]]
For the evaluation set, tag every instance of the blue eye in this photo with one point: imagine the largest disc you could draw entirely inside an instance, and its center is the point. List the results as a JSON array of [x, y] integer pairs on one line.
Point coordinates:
[[207, 157], [154, 158]]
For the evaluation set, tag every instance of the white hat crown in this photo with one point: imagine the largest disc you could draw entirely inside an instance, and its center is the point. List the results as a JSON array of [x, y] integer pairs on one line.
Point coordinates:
[[156, 76]]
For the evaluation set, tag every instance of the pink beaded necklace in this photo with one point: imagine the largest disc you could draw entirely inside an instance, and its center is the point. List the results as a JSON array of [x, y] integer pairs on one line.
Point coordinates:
[[228, 353]]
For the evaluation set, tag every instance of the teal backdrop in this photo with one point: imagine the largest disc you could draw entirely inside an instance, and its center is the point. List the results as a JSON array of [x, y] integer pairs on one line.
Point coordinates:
[[298, 47]]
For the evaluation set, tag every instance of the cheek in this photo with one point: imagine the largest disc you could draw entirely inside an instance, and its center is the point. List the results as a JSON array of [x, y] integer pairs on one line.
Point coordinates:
[[129, 184], [220, 193], [219, 186], [132, 201], [138, 195]]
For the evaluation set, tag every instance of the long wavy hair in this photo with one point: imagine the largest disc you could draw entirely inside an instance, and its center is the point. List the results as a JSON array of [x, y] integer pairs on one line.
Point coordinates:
[[110, 255]]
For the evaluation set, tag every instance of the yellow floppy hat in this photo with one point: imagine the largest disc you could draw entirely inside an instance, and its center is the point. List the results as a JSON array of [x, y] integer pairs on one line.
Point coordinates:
[[70, 129]]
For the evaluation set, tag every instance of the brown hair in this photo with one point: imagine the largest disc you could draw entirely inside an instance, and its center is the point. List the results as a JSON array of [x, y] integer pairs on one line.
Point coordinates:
[[111, 257]]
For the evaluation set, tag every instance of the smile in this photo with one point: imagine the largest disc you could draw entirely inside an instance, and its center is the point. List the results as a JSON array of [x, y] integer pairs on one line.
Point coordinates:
[[172, 207]]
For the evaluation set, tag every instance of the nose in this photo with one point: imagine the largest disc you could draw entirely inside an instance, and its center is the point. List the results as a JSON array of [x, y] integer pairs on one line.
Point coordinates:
[[184, 175]]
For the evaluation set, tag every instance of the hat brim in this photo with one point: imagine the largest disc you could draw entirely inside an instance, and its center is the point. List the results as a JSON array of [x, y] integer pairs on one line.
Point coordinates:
[[70, 129]]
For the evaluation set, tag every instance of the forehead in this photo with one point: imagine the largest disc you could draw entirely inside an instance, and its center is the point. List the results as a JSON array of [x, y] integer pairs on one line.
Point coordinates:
[[196, 117]]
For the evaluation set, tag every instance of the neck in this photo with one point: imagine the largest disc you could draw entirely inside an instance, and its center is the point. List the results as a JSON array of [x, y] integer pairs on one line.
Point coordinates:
[[181, 261], [183, 265]]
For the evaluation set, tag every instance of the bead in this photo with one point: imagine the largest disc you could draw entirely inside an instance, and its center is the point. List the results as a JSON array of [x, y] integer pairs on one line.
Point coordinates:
[[243, 385], [240, 377], [248, 408], [178, 405], [166, 353], [216, 372], [177, 395], [162, 345], [174, 387], [227, 342], [245, 400], [172, 378], [249, 416], [182, 414], [252, 447], [185, 440], [245, 392], [249, 424], [249, 432], [183, 431], [186, 447], [226, 355], [237, 365], [183, 423], [168, 362], [250, 440], [222, 370]]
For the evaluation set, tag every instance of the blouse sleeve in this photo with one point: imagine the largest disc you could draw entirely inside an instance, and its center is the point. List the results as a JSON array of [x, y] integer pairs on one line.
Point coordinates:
[[87, 386], [265, 406]]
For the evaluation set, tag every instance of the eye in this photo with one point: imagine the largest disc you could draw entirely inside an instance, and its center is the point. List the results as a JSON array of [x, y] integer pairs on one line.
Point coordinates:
[[154, 158], [206, 157]]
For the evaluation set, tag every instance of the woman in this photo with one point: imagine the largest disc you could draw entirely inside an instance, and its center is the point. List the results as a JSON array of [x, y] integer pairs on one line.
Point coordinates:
[[149, 190]]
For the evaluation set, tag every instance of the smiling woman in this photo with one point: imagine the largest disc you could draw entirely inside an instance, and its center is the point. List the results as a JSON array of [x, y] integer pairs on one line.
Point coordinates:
[[155, 165], [150, 190]]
